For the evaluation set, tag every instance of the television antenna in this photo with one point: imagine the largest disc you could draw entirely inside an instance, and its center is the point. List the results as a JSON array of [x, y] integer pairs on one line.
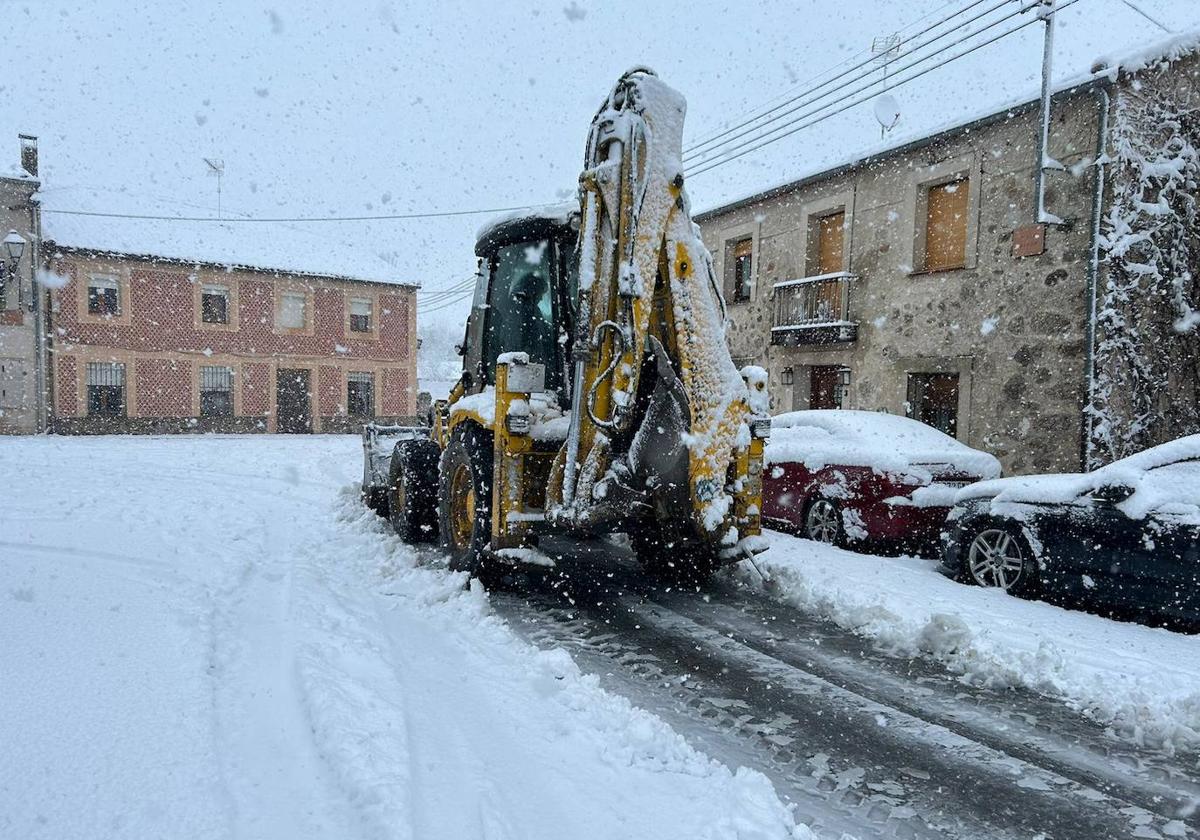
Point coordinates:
[[217, 168], [887, 109]]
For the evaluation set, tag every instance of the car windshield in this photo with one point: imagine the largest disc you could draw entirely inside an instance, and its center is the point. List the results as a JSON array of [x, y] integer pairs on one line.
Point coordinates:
[[520, 315]]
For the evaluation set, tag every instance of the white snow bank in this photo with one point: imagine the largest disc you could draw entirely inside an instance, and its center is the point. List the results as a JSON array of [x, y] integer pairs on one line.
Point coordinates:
[[209, 637], [1142, 682], [884, 442]]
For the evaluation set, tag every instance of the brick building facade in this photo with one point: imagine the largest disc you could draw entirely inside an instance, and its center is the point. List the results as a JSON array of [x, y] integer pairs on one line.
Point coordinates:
[[149, 344]]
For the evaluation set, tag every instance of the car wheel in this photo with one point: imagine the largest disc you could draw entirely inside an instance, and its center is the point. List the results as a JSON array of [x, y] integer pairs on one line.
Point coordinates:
[[998, 558], [823, 522]]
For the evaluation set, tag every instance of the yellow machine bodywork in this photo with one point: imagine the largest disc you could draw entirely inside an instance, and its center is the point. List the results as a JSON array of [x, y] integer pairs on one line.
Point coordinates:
[[663, 428]]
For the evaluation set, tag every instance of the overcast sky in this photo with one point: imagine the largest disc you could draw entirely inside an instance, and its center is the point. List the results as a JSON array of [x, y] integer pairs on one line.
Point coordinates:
[[375, 107]]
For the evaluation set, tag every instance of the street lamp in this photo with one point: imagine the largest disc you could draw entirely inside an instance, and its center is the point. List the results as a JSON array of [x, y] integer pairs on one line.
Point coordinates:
[[14, 247]]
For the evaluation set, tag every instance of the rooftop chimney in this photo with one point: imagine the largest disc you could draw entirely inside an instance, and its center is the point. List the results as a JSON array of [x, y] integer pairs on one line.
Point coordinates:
[[29, 156]]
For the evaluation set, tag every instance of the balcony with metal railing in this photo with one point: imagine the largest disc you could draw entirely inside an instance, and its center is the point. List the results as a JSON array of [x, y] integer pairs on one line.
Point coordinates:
[[814, 310]]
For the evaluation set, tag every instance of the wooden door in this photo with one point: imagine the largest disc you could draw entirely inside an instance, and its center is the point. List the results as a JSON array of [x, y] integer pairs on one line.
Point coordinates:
[[293, 402], [831, 236], [823, 387]]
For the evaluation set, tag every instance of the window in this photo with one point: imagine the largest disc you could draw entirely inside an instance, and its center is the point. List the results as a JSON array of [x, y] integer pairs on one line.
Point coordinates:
[[360, 394], [214, 304], [831, 234], [216, 391], [360, 315], [933, 399], [520, 317], [741, 254], [106, 389], [292, 306], [104, 296], [946, 226]]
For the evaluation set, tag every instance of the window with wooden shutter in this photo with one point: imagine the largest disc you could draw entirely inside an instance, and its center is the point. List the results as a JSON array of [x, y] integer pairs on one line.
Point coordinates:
[[946, 226], [830, 239]]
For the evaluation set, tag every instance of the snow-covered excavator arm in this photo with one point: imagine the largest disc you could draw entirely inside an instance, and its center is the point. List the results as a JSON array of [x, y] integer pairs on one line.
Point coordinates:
[[663, 426]]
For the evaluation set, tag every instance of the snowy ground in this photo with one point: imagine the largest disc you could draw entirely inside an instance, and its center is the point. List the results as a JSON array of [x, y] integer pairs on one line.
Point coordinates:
[[208, 637], [1143, 682]]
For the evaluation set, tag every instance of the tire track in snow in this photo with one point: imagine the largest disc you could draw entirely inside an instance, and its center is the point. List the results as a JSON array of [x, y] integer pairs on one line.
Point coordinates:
[[656, 644]]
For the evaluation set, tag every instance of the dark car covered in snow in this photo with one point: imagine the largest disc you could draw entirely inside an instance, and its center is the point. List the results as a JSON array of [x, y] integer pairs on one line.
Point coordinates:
[[855, 477], [1126, 535]]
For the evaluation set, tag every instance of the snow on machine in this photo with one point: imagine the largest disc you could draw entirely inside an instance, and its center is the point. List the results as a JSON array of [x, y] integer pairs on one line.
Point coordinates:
[[597, 393]]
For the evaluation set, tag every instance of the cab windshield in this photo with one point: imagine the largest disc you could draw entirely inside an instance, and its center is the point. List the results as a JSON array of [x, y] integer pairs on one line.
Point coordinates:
[[521, 313]]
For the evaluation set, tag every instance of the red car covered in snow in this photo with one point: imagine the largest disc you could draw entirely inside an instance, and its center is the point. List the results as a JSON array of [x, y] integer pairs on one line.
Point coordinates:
[[847, 477]]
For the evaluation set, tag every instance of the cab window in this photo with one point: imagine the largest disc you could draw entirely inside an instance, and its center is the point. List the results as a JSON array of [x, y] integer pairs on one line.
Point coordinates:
[[520, 315]]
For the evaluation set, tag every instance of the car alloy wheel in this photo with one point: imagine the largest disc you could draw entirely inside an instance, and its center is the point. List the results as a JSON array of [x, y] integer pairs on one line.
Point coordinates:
[[823, 522], [995, 559]]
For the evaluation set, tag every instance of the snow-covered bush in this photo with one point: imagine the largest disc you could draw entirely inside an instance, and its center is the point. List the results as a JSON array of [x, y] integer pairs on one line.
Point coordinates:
[[1148, 322]]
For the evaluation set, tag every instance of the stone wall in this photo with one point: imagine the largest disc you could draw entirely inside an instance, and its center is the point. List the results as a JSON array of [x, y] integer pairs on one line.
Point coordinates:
[[18, 339]]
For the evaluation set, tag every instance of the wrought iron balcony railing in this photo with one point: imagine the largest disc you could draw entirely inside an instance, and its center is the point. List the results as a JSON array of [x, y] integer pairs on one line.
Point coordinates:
[[814, 310]]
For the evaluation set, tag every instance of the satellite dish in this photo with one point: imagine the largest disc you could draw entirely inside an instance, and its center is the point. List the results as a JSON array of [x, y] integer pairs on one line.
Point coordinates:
[[887, 111]]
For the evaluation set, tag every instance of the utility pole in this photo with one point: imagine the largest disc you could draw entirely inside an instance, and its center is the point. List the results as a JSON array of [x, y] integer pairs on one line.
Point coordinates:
[[1045, 11]]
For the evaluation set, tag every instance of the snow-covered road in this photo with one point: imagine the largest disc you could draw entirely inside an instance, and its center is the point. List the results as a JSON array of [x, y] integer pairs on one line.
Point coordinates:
[[210, 637]]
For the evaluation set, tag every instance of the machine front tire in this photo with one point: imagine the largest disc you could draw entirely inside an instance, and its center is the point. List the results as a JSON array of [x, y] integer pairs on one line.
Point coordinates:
[[682, 561], [465, 501], [411, 500]]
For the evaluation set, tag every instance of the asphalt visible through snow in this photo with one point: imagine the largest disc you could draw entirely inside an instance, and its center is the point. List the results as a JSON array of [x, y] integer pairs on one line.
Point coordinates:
[[861, 742]]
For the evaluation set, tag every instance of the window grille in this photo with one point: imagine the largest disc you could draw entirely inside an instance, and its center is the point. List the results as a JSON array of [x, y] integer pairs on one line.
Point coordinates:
[[106, 373], [105, 389], [360, 394], [216, 391]]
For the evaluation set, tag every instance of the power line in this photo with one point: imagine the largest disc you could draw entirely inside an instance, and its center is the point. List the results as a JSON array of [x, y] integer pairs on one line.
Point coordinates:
[[1138, 9], [813, 96], [793, 128], [446, 303], [388, 217], [766, 107], [435, 294]]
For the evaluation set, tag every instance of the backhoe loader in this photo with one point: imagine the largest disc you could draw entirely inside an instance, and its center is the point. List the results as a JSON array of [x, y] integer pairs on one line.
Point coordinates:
[[597, 393]]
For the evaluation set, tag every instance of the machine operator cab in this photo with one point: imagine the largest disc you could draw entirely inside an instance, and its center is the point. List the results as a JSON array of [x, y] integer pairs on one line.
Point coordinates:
[[524, 297]]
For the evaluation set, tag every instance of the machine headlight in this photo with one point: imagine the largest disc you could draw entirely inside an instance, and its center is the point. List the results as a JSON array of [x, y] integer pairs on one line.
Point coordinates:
[[760, 428], [517, 424]]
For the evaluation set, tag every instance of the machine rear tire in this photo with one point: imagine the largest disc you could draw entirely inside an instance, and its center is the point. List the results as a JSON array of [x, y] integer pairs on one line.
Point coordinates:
[[465, 501], [411, 493], [682, 561]]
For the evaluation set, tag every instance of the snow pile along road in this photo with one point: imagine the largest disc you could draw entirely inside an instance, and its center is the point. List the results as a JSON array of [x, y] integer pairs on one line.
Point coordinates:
[[1142, 682], [208, 637]]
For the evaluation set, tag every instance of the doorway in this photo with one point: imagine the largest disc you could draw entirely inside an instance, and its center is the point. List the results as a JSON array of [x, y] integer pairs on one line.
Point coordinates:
[[824, 390], [293, 402]]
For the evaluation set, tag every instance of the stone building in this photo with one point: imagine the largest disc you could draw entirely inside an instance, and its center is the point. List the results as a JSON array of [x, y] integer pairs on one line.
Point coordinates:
[[22, 390], [146, 343], [916, 281]]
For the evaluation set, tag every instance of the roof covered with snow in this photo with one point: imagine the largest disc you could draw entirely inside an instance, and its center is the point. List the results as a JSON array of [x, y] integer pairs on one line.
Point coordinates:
[[1103, 69], [310, 249]]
